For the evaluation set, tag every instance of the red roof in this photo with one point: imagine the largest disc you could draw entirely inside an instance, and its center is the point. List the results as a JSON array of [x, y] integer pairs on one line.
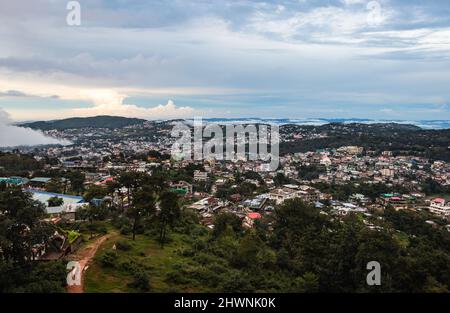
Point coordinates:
[[103, 182], [439, 200], [211, 200], [254, 215], [396, 198]]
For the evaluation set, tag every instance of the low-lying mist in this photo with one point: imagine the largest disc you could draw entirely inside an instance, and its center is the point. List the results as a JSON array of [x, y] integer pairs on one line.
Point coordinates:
[[12, 136]]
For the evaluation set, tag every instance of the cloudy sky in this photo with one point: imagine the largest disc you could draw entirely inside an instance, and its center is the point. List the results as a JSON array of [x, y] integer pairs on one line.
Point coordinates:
[[178, 58]]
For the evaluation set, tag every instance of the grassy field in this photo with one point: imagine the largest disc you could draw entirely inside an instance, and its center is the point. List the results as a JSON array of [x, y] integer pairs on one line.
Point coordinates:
[[144, 254]]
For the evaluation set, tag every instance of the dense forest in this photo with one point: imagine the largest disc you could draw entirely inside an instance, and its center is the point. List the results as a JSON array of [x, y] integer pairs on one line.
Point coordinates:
[[400, 139], [18, 164]]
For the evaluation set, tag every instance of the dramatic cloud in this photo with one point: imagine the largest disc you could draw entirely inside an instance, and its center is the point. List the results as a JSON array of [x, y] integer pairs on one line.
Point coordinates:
[[241, 58], [113, 105], [11, 135]]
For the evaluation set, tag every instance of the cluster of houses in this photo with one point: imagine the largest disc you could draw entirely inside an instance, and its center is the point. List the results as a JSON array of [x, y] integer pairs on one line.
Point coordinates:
[[253, 208], [348, 164], [290, 191], [99, 154]]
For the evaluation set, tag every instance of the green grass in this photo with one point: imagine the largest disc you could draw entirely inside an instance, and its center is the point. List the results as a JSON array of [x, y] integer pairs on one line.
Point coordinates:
[[145, 254], [402, 238]]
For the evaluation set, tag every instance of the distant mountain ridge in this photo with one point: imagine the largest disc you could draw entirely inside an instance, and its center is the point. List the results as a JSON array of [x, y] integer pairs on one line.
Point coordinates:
[[424, 124], [105, 121], [101, 121]]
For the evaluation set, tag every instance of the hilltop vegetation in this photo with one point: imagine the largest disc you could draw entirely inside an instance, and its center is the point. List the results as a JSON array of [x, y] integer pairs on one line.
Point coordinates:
[[295, 257], [18, 164], [103, 121], [398, 138]]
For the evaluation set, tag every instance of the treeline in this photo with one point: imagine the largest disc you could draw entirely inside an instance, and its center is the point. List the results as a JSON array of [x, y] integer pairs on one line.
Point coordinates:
[[337, 253], [21, 229], [18, 164], [372, 191], [310, 252], [310, 172], [431, 144], [432, 187]]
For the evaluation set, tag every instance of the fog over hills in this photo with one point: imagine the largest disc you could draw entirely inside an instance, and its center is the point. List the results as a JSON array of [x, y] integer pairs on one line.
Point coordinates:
[[425, 124], [12, 135], [105, 121]]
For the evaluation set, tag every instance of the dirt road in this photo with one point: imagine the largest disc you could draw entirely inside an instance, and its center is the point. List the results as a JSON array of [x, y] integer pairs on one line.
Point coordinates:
[[84, 257]]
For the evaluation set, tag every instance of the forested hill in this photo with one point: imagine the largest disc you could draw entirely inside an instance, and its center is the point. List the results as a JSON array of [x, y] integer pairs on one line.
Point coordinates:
[[342, 128], [103, 121], [401, 139]]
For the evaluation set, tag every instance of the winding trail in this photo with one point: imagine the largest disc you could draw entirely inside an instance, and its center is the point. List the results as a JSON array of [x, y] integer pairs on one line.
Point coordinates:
[[84, 256]]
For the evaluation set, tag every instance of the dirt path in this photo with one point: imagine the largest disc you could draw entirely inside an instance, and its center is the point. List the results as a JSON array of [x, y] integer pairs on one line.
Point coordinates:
[[84, 257]]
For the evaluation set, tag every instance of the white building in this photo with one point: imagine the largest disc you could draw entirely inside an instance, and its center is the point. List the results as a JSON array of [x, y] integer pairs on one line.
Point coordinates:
[[440, 207], [200, 176], [387, 172], [305, 193]]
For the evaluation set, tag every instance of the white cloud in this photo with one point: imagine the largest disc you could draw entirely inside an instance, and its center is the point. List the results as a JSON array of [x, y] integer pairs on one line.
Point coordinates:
[[322, 23], [218, 57], [352, 2], [167, 111]]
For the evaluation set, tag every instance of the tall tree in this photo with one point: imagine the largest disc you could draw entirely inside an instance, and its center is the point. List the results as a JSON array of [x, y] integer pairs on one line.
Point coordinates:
[[77, 179], [21, 225], [143, 206], [170, 212], [129, 180], [56, 184]]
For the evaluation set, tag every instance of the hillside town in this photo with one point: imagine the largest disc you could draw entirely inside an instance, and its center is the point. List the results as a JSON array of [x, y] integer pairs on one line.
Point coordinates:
[[124, 184], [244, 188]]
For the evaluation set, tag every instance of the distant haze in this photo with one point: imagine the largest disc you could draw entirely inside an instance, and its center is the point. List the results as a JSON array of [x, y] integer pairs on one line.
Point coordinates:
[[11, 135]]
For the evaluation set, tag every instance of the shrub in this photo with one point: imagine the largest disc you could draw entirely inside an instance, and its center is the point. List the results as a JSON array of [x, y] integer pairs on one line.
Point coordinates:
[[128, 266], [176, 277], [204, 259], [199, 245], [236, 282], [186, 252], [140, 281], [217, 268], [95, 227], [120, 221], [205, 276], [125, 230], [152, 232], [199, 232], [109, 259], [123, 245]]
